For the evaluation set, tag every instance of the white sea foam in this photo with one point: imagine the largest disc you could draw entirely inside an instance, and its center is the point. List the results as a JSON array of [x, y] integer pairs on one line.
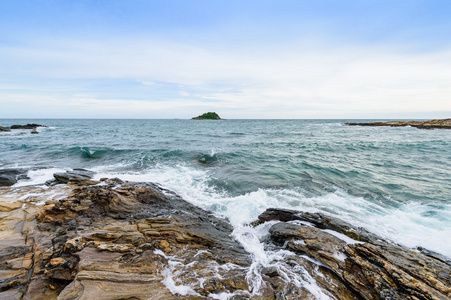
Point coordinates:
[[38, 177], [343, 237], [168, 273], [174, 288], [37, 195], [408, 224], [340, 256]]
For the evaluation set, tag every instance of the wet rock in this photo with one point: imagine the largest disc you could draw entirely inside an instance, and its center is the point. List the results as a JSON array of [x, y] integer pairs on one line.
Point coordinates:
[[375, 269], [271, 271], [125, 240], [319, 221], [122, 240], [4, 128], [435, 255], [78, 176], [9, 177]]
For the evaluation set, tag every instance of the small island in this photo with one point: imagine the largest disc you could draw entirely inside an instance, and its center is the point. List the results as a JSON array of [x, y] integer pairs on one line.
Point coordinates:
[[208, 116], [431, 124]]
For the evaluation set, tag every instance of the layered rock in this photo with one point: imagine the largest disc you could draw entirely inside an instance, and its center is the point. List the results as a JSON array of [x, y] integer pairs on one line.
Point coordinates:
[[119, 240], [431, 124], [79, 176], [124, 240], [369, 266]]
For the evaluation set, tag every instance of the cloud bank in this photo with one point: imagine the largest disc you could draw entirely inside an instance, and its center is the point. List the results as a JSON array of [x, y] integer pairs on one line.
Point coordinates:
[[303, 71]]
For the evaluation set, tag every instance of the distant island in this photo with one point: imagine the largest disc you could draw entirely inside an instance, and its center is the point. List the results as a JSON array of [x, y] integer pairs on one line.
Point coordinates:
[[431, 124], [208, 116]]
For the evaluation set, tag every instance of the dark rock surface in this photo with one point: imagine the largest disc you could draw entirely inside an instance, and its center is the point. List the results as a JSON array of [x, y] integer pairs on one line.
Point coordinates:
[[28, 126], [431, 124], [373, 269], [78, 175], [32, 127], [9, 177]]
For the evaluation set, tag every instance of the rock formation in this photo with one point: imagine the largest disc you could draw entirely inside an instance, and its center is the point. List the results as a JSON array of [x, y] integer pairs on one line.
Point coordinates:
[[369, 266], [81, 175], [28, 126], [32, 127], [118, 240], [432, 124], [112, 239], [9, 177]]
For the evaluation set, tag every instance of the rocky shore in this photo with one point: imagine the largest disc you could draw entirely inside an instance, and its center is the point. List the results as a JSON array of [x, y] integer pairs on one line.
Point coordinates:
[[431, 124], [112, 239]]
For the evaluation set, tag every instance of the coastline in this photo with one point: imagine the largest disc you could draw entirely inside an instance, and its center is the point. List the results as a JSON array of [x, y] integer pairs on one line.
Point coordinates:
[[111, 238], [430, 124]]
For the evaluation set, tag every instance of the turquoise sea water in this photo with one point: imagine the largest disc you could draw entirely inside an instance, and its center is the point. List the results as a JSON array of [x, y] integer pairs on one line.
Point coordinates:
[[395, 182]]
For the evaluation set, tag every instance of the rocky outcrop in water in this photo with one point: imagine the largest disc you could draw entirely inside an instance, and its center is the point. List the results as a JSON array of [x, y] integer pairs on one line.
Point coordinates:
[[27, 126], [80, 176], [9, 177], [431, 124], [31, 127], [369, 266], [125, 240]]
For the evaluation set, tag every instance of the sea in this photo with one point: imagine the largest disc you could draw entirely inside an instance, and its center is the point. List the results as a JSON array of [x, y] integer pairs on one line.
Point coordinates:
[[392, 181]]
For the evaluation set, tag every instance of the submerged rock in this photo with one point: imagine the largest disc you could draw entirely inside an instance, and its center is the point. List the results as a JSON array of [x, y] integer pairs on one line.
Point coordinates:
[[431, 124]]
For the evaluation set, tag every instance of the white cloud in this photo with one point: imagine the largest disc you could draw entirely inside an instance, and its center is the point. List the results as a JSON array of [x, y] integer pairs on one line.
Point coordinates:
[[280, 81]]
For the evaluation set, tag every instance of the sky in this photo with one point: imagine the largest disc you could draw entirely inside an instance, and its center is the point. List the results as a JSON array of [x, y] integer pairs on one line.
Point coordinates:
[[246, 59]]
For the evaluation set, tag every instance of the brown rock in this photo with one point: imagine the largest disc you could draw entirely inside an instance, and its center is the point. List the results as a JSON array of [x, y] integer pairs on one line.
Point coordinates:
[[57, 261], [101, 243], [7, 207]]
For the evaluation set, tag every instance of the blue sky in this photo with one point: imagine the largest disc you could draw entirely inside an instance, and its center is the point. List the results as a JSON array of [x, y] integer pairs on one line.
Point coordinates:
[[242, 59]]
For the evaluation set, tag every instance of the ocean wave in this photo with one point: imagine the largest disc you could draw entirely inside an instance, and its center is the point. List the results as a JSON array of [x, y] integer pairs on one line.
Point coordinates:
[[412, 224]]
